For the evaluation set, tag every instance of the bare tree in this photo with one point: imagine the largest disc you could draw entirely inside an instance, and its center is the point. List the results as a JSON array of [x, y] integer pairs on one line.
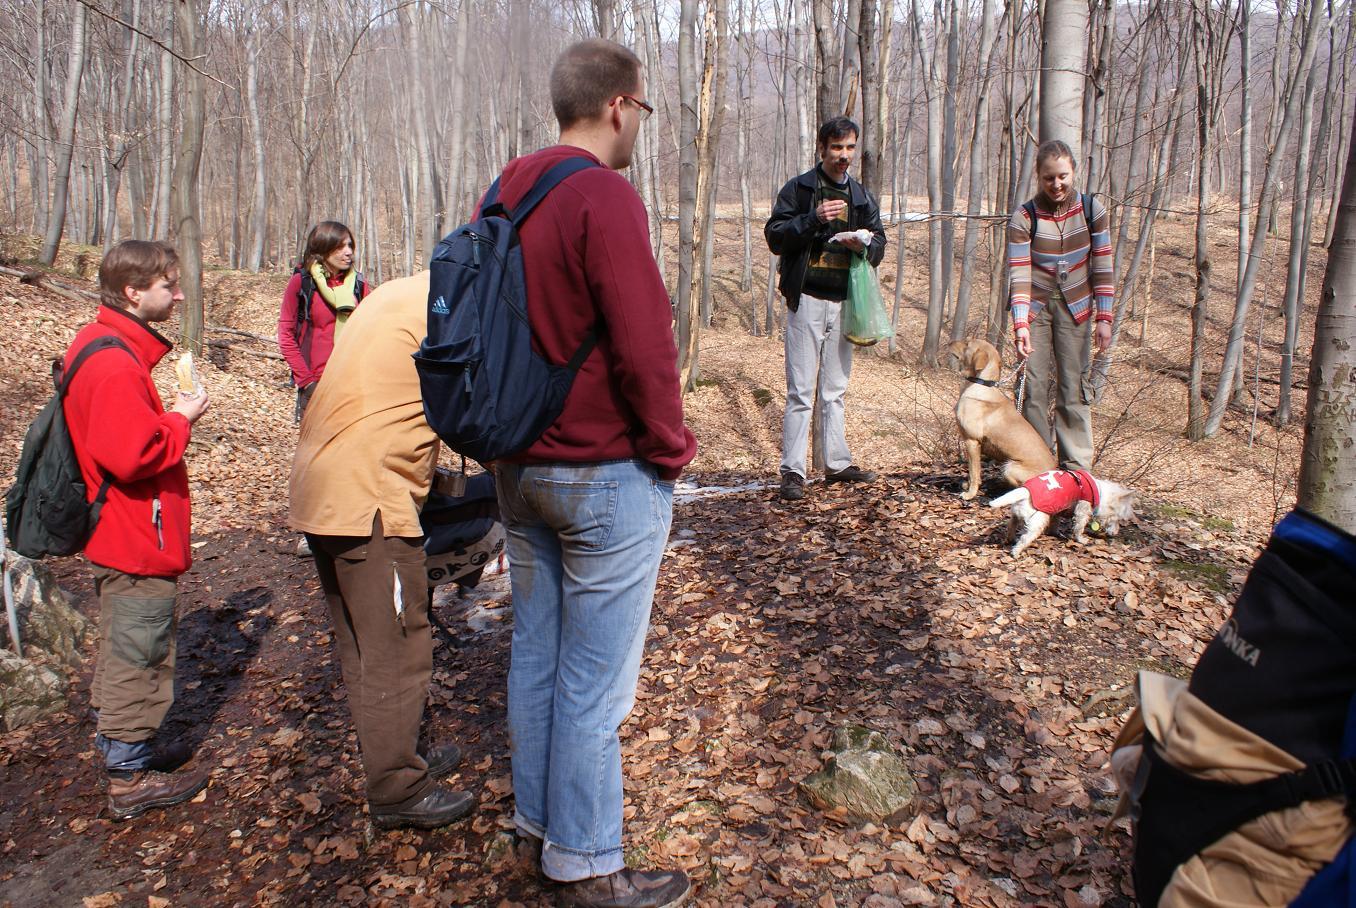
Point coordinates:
[[185, 203], [1327, 482], [1233, 353], [1063, 54], [75, 68]]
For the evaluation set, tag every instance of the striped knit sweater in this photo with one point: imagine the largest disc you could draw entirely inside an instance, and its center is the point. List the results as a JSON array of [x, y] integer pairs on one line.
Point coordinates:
[[1032, 260]]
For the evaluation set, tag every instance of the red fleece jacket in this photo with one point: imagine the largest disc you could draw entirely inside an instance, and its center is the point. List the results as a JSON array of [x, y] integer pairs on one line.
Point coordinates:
[[587, 258], [1055, 491], [120, 428]]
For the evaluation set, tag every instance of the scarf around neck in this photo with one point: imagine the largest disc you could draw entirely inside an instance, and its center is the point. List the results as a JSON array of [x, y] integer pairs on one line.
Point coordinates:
[[342, 298]]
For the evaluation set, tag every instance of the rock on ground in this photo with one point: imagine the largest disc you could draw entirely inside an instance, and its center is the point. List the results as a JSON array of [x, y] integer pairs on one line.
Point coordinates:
[[28, 691], [864, 776]]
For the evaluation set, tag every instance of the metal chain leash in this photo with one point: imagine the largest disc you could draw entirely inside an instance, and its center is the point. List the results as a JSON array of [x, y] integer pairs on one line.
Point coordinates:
[[1021, 385]]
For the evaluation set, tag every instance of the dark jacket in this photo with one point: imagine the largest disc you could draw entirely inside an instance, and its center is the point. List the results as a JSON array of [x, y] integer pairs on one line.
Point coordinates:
[[793, 227]]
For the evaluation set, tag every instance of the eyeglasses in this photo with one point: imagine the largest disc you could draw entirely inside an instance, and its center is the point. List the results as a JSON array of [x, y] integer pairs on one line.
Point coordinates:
[[645, 108]]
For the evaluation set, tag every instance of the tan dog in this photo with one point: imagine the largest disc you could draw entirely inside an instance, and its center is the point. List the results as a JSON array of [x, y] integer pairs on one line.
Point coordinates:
[[989, 422]]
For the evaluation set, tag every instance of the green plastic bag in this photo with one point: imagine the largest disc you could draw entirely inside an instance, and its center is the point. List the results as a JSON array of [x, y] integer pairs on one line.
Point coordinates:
[[864, 319]]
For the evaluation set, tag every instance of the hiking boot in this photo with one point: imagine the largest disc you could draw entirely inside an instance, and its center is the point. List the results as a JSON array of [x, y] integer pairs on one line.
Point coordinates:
[[304, 548], [130, 794], [439, 807], [442, 759], [626, 888], [793, 486], [851, 473]]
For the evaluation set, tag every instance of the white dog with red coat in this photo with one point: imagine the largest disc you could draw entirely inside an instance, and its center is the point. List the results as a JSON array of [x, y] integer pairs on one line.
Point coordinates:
[[1042, 496]]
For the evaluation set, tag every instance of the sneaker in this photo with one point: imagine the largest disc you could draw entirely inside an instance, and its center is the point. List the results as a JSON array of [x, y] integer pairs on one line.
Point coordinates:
[[793, 486], [627, 888], [304, 548], [130, 794], [851, 473], [442, 759], [439, 807]]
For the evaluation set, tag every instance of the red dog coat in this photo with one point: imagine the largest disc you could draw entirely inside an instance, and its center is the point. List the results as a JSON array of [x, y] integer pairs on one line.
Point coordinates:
[[1058, 490]]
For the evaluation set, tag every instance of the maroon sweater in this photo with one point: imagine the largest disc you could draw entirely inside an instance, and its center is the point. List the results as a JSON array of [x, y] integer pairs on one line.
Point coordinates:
[[587, 259]]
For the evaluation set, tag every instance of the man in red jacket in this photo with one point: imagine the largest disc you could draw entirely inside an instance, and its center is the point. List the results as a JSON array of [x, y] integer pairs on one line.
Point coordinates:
[[123, 437], [587, 507]]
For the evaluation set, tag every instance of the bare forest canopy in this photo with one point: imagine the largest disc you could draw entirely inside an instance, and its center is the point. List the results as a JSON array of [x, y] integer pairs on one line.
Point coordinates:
[[243, 121]]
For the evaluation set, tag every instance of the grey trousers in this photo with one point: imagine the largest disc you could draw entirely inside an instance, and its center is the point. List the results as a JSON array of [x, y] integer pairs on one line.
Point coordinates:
[[818, 360], [1061, 352]]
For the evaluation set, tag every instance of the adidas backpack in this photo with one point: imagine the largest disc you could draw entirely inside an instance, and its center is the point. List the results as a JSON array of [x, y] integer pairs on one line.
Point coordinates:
[[47, 510], [487, 393]]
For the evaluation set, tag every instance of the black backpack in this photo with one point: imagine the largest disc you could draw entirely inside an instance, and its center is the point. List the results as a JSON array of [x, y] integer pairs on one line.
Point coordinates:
[[47, 510], [305, 294], [487, 394]]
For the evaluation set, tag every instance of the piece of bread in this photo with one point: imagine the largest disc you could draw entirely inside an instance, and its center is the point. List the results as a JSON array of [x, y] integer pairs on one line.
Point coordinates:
[[188, 379]]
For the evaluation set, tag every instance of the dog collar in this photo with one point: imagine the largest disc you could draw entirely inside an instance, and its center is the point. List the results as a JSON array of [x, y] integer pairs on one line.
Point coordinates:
[[986, 382]]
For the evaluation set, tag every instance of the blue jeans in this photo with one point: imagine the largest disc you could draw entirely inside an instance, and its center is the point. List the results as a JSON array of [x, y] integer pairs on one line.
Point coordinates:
[[584, 544]]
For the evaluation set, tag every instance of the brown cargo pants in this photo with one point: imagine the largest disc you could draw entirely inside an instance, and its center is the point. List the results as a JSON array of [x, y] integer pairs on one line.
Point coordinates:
[[133, 684], [377, 593]]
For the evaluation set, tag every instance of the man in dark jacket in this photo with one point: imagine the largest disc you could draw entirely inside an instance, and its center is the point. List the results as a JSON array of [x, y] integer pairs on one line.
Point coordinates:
[[813, 276], [123, 436]]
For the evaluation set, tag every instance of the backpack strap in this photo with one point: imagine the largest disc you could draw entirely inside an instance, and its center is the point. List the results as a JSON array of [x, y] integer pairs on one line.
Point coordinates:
[[61, 380], [491, 207], [63, 383], [545, 183], [1166, 836], [1030, 207]]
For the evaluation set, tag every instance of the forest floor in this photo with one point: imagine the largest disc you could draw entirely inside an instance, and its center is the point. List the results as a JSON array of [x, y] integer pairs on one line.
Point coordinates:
[[893, 605]]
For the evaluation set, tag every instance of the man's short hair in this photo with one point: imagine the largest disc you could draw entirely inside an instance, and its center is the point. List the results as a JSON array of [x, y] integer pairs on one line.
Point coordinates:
[[588, 75], [133, 263], [837, 128]]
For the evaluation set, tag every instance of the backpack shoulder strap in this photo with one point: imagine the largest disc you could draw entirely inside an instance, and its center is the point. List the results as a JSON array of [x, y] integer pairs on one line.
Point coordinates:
[[304, 294], [545, 183], [1087, 213], [62, 379], [103, 342], [1030, 208]]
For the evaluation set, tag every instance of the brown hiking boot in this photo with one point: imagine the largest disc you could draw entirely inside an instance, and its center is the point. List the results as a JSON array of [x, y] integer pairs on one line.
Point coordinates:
[[626, 888], [132, 794], [438, 808]]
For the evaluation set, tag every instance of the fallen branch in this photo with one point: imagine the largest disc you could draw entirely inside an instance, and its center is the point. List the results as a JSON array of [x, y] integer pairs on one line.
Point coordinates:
[[45, 281], [228, 345], [263, 339]]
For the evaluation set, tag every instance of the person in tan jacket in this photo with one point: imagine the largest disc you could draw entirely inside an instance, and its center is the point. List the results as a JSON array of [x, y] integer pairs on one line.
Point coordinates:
[[363, 468]]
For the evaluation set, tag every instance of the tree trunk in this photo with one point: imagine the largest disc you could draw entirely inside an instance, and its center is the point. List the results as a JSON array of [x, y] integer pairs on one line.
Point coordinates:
[[254, 259], [933, 87], [1300, 222], [75, 68], [1327, 480], [42, 124], [185, 205], [1063, 49], [873, 124], [689, 321], [979, 161]]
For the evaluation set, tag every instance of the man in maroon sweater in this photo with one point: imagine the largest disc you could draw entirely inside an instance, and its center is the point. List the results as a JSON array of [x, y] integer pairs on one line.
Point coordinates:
[[125, 439], [587, 507]]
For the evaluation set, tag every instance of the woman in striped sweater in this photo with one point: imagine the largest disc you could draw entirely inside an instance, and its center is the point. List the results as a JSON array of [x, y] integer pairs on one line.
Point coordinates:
[[1059, 258]]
